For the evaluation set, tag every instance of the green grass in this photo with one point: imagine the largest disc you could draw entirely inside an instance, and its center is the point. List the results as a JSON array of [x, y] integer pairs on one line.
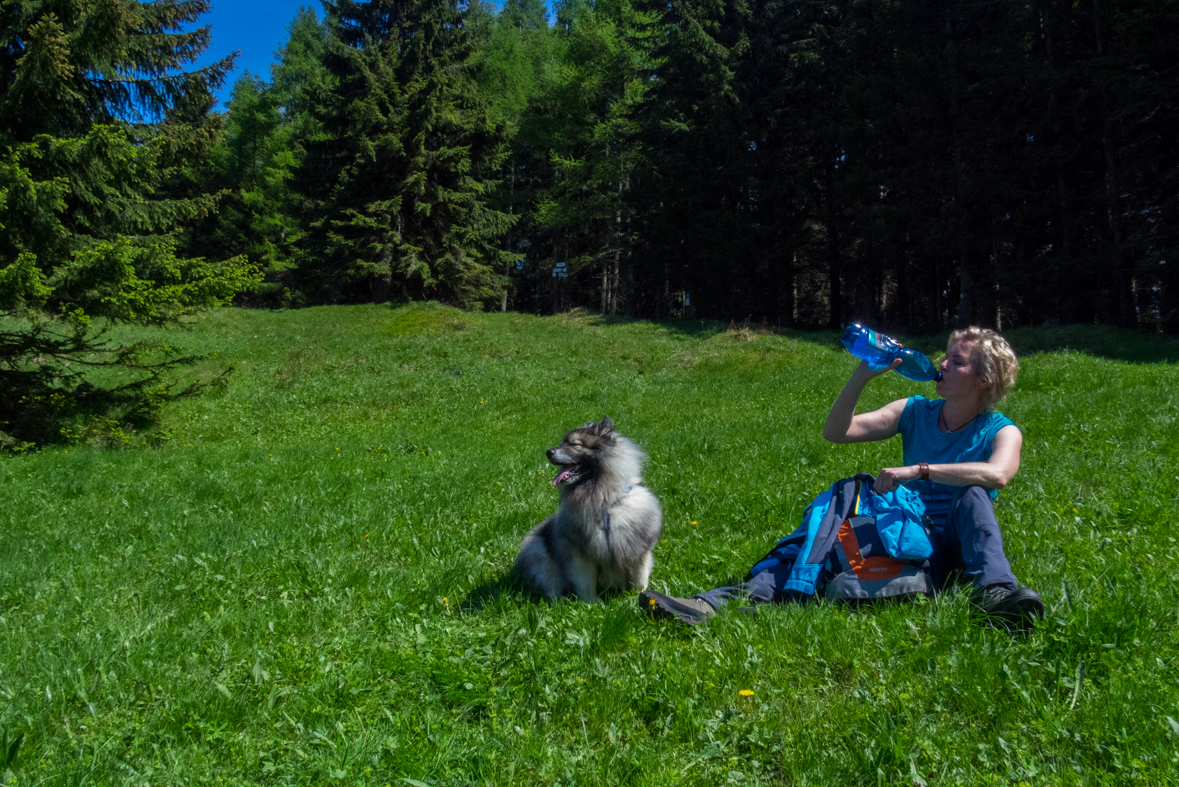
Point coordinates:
[[306, 583]]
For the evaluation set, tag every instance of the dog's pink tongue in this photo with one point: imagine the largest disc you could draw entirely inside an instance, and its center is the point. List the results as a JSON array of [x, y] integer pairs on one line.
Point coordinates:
[[560, 475]]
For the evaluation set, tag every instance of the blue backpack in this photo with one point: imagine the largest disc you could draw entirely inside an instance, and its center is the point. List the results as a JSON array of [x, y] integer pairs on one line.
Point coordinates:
[[856, 544]]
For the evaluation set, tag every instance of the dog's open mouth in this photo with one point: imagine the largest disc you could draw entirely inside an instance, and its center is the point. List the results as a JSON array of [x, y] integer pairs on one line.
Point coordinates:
[[568, 474]]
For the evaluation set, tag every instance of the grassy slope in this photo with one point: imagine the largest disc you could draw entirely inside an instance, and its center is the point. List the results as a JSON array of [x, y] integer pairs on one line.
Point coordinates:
[[305, 584]]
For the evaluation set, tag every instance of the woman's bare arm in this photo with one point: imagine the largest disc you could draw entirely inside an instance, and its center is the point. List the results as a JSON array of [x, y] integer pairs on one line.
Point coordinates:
[[844, 426], [995, 473]]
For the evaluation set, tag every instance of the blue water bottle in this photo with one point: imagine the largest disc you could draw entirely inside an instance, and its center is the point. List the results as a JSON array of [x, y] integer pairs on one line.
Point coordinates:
[[880, 351]]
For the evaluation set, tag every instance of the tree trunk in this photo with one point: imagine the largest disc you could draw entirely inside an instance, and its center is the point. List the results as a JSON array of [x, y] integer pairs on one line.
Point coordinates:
[[508, 234], [1051, 297], [383, 283], [1121, 282], [939, 300], [961, 182], [616, 276], [605, 285], [965, 296], [557, 288], [617, 258], [787, 291], [835, 291], [834, 272], [628, 259], [382, 286]]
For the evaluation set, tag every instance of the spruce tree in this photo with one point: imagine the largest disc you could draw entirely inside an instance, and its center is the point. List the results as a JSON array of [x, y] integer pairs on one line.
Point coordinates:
[[595, 146], [267, 127], [514, 70], [96, 114], [694, 130], [397, 192]]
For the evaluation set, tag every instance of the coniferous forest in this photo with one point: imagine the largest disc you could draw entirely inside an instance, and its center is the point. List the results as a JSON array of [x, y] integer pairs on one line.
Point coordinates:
[[917, 165], [802, 163]]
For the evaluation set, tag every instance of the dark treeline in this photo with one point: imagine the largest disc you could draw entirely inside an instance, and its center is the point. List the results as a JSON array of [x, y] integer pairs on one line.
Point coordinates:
[[916, 165]]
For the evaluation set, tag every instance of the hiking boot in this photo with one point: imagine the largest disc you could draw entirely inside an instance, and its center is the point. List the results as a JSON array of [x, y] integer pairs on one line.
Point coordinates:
[[691, 611], [1017, 609]]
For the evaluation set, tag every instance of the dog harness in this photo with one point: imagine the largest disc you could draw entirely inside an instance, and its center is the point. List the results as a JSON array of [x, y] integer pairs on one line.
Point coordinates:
[[606, 513]]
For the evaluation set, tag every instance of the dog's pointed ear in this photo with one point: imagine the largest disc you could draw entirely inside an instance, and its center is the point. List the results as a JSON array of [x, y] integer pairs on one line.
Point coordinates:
[[606, 426]]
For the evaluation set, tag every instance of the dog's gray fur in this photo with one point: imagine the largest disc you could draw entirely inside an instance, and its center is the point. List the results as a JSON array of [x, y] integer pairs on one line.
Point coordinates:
[[604, 531]]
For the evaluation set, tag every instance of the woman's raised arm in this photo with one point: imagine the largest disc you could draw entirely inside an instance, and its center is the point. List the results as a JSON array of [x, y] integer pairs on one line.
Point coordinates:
[[844, 426]]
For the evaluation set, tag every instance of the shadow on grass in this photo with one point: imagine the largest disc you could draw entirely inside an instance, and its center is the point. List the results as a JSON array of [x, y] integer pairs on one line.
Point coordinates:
[[1101, 341], [1098, 341], [699, 328], [505, 588]]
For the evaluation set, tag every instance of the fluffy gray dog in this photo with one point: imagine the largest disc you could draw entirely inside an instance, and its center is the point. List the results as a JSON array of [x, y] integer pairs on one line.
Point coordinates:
[[606, 526]]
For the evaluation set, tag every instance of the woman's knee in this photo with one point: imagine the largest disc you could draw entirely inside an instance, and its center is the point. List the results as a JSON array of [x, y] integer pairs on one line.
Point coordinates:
[[972, 506], [973, 495]]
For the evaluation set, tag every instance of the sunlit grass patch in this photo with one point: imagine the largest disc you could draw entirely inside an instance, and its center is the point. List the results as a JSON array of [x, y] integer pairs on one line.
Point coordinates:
[[307, 583]]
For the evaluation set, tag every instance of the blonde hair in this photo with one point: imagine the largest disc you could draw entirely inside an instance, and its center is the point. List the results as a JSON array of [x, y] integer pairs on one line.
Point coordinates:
[[995, 363]]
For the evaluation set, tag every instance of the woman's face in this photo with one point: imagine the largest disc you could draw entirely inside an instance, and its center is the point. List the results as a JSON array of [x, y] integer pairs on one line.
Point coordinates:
[[958, 375]]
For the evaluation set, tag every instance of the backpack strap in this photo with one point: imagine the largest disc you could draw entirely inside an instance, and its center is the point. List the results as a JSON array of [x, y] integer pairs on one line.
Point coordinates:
[[822, 521]]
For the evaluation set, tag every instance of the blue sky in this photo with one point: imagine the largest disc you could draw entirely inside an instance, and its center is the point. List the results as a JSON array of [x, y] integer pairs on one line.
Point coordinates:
[[257, 28]]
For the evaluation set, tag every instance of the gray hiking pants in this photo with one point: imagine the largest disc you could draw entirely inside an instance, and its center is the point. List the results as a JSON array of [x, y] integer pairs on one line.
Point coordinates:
[[968, 547]]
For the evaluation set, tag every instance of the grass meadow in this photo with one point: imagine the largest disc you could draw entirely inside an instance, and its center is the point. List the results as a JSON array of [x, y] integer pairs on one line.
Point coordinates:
[[305, 583]]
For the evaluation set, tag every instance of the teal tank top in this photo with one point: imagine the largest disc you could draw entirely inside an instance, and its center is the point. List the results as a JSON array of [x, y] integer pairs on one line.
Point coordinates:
[[922, 441]]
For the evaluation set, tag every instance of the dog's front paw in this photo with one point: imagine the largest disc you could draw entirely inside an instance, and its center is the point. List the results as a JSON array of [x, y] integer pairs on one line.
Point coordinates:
[[586, 591]]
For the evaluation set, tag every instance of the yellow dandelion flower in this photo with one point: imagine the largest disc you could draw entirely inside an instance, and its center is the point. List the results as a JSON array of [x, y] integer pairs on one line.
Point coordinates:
[[746, 692], [693, 521], [650, 602]]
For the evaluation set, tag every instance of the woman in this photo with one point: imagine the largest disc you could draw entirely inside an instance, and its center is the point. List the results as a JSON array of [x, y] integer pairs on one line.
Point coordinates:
[[957, 454]]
